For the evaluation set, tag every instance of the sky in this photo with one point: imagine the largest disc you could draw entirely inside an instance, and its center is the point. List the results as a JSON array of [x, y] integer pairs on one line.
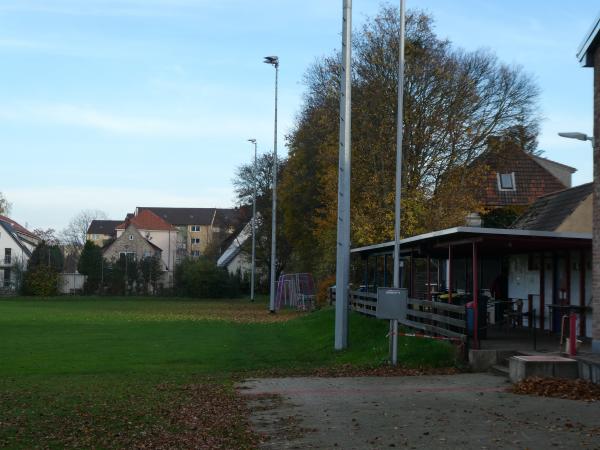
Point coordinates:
[[113, 104]]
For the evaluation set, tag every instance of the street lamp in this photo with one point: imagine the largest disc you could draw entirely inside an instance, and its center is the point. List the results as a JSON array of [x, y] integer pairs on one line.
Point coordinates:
[[253, 224], [274, 61], [578, 136]]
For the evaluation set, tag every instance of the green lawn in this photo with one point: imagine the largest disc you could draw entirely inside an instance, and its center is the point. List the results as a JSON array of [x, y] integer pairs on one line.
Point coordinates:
[[113, 372]]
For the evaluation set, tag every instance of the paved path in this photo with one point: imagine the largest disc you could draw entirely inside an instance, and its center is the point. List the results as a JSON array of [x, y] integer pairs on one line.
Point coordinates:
[[467, 411]]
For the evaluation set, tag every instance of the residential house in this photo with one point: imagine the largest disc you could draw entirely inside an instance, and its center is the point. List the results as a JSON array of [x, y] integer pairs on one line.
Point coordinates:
[[16, 245], [566, 210], [101, 231], [132, 243], [589, 56], [156, 231], [198, 228], [515, 178], [233, 258]]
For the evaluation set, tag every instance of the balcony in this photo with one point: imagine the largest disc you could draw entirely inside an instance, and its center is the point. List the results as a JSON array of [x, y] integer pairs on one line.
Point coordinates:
[[6, 261]]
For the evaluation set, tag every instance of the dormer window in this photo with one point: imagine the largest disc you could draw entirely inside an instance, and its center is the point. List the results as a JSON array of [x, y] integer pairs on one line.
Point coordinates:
[[506, 182]]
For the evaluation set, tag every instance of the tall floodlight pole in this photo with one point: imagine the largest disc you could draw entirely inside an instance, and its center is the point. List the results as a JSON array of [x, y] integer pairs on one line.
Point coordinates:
[[274, 61], [342, 277], [399, 136], [253, 223]]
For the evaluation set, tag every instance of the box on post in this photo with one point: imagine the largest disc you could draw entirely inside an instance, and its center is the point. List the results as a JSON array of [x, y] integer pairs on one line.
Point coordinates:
[[392, 303]]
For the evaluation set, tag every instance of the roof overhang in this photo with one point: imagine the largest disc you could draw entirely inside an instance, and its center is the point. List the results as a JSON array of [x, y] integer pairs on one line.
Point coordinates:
[[494, 239], [591, 41]]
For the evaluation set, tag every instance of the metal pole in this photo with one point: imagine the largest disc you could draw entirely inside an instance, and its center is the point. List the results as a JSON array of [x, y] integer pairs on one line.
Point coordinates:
[[274, 209], [253, 228], [399, 137], [343, 226]]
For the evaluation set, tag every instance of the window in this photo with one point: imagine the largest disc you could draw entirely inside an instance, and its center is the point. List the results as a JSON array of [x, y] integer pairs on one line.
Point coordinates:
[[506, 181], [195, 240], [129, 255], [7, 255], [195, 253], [131, 237], [195, 227]]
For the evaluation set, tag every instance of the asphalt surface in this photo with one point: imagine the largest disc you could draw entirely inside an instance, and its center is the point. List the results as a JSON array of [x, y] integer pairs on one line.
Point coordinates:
[[467, 411]]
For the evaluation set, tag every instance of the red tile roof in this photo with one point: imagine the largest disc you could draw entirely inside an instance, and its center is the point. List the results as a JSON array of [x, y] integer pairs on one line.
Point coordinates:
[[531, 179], [146, 220], [17, 227]]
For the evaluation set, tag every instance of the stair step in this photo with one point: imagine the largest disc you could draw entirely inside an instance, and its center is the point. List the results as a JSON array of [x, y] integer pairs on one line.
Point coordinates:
[[497, 369]]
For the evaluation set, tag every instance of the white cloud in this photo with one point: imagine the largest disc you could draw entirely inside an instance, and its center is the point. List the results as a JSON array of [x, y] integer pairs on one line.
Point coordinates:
[[214, 125]]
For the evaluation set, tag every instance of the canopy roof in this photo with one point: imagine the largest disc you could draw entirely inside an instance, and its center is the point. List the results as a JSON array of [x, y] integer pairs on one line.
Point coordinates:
[[491, 241]]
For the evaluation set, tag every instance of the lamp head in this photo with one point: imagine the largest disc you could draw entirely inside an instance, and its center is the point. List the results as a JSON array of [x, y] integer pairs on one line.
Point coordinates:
[[576, 135], [273, 60], [252, 140]]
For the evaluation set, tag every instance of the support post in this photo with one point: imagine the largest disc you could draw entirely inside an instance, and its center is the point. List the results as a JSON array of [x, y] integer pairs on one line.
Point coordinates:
[[572, 334], [428, 277], [449, 274], [475, 297], [343, 226], [542, 291], [398, 198], [582, 317]]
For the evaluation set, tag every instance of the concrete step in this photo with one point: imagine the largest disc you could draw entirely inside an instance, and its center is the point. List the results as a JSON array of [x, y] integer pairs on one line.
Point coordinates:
[[500, 370]]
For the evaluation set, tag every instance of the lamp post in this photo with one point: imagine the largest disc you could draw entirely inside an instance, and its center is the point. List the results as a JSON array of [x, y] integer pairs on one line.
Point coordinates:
[[253, 223], [399, 137], [342, 270], [274, 61]]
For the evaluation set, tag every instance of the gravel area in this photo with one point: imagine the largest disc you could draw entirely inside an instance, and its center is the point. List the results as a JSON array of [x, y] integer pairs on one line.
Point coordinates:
[[466, 411]]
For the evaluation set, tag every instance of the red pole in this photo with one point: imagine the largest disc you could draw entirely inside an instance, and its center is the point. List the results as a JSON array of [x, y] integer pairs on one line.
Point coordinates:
[[582, 293], [572, 334], [475, 297]]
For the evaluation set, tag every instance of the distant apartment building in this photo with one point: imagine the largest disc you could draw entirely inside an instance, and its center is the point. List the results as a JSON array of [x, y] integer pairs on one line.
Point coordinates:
[[101, 231], [197, 228]]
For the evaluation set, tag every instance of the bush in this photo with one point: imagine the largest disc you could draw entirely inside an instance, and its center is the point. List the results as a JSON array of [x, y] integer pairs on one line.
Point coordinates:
[[203, 279], [323, 289], [41, 281]]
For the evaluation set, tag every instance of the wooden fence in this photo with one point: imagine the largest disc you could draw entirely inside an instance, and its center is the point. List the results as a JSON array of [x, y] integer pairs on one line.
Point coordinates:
[[437, 318]]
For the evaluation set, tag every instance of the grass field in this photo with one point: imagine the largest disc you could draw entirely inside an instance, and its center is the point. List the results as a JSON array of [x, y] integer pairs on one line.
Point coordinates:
[[127, 372]]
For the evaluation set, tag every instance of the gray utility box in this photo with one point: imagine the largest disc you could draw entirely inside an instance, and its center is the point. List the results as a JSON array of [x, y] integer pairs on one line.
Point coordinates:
[[392, 303]]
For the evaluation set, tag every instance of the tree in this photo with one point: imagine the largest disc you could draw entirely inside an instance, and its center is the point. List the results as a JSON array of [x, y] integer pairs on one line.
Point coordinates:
[[201, 278], [243, 184], [5, 206], [47, 235], [453, 102], [41, 277], [75, 234], [47, 256], [91, 264], [151, 271]]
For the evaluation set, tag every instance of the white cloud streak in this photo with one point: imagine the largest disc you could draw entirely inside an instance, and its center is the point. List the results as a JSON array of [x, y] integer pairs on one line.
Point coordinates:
[[144, 126]]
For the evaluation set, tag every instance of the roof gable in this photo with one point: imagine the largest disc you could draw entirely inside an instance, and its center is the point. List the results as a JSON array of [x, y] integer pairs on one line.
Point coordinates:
[[147, 220], [130, 228], [10, 231], [17, 227], [550, 211], [531, 179]]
